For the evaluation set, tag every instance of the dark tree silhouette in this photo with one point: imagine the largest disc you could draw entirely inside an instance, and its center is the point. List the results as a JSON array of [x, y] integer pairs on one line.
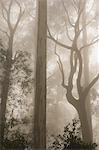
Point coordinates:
[[76, 67], [40, 92]]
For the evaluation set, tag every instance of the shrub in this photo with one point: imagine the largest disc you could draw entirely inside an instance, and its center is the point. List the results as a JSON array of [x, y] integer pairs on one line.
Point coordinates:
[[16, 142], [71, 139]]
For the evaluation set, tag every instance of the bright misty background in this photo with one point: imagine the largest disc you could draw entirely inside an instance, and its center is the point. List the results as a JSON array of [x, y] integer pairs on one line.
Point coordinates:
[[20, 103]]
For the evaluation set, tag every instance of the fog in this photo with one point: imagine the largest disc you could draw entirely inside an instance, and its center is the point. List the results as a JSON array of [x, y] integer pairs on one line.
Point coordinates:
[[72, 66]]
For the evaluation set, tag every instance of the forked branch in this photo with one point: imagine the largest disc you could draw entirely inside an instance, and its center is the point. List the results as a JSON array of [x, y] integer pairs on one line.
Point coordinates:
[[56, 41], [91, 84], [60, 68], [6, 13], [94, 41]]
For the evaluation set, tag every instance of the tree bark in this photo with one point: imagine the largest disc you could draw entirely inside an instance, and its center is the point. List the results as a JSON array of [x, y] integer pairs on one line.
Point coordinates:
[[40, 91]]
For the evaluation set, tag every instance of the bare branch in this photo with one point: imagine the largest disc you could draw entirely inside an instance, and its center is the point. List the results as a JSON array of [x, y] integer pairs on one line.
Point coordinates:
[[4, 17], [3, 31], [60, 68], [77, 30], [8, 16], [21, 13], [4, 10], [89, 22], [75, 5], [90, 44], [50, 76], [67, 32], [91, 7], [66, 12], [91, 84], [56, 41], [69, 95]]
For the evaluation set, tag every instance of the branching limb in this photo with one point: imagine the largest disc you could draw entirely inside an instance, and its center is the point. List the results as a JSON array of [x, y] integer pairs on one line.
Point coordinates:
[[94, 41], [50, 76], [6, 13], [88, 23], [67, 32], [66, 11], [91, 84], [77, 23], [8, 16], [61, 68], [21, 13], [56, 41], [75, 5], [69, 95], [88, 13], [3, 9], [3, 31]]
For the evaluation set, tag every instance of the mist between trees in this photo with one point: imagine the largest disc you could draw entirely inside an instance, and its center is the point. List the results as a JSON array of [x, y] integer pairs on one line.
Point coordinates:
[[49, 78]]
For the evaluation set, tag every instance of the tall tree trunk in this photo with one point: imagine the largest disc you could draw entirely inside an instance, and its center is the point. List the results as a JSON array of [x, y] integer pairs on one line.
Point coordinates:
[[89, 136], [40, 92], [5, 89], [85, 126]]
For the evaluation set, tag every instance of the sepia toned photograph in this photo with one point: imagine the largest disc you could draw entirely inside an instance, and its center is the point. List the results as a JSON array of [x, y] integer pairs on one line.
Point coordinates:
[[49, 75]]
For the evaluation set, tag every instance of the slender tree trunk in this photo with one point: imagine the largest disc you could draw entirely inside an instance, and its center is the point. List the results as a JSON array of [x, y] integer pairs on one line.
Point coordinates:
[[89, 136], [5, 89], [40, 92]]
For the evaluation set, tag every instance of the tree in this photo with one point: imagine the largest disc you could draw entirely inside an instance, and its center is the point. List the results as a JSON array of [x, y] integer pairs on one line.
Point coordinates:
[[6, 13], [40, 91], [86, 72], [76, 66]]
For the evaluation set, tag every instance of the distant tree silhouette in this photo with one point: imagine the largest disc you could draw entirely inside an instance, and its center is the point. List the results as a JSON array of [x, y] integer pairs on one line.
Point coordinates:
[[6, 13]]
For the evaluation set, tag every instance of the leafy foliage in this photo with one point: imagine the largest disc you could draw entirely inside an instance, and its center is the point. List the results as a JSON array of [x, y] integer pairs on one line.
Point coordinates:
[[18, 141], [15, 140], [2, 63], [21, 85], [71, 139], [22, 79], [22, 72]]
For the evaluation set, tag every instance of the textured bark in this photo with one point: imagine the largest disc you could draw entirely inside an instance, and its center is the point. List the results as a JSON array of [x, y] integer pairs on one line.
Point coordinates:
[[40, 92]]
